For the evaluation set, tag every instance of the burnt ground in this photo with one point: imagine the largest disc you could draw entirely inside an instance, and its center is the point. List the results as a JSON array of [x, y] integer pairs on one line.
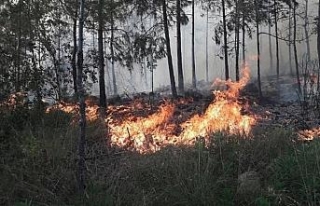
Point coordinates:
[[280, 105]]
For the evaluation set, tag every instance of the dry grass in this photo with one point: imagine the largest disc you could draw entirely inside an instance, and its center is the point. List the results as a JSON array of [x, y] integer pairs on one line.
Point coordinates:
[[38, 167]]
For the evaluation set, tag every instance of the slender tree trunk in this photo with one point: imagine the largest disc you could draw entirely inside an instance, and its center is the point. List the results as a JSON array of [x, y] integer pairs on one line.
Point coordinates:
[[258, 46], [237, 39], [270, 42], [207, 60], [109, 87], [179, 53], [103, 98], [306, 32], [82, 121], [225, 37], [295, 47], [18, 56], [243, 40], [36, 73], [58, 61], [74, 53], [169, 55], [318, 46], [277, 37], [194, 79], [290, 41], [114, 80]]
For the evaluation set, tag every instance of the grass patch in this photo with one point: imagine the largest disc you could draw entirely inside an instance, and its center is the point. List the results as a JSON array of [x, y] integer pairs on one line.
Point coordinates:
[[38, 166]]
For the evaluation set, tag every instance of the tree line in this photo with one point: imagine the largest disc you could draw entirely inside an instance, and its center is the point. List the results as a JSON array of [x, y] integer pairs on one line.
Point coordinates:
[[43, 43], [38, 43]]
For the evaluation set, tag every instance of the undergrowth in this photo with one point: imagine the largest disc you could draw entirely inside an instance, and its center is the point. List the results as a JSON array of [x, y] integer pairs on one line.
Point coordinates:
[[38, 166]]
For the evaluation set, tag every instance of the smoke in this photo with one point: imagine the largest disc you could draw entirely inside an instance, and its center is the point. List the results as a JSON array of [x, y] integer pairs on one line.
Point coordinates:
[[139, 79]]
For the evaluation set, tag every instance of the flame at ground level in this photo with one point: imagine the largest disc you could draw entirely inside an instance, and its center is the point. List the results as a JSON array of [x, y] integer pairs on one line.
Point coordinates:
[[135, 127], [156, 131]]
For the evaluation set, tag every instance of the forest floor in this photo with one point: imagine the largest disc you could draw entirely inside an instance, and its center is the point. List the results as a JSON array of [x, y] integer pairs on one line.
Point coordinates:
[[278, 164]]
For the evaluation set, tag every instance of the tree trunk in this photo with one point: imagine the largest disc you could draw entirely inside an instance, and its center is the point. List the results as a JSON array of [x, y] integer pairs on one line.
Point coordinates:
[[277, 37], [270, 42], [243, 40], [237, 39], [114, 80], [179, 53], [295, 47], [82, 121], [194, 79], [225, 37], [290, 41], [58, 61], [74, 53], [207, 60], [17, 83], [169, 55], [306, 32], [258, 46], [103, 98], [318, 44]]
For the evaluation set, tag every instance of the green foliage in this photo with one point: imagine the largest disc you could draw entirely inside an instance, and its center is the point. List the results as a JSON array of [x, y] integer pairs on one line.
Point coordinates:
[[262, 201], [97, 196], [38, 168], [36, 162], [298, 173], [25, 203]]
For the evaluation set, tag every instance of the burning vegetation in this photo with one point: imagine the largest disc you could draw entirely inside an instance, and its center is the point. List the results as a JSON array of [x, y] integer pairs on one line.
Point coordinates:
[[139, 127]]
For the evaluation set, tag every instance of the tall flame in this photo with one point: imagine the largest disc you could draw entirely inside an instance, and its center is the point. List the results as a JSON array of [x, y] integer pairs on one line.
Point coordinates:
[[224, 114]]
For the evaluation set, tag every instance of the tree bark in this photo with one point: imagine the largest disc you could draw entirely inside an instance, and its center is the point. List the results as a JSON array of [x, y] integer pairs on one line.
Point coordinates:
[[258, 46], [270, 42], [74, 53], [277, 38], [290, 41], [295, 47], [103, 98], [169, 55], [82, 121], [243, 39], [237, 39], [306, 32], [318, 44], [194, 79], [114, 80], [207, 60], [225, 37], [179, 53]]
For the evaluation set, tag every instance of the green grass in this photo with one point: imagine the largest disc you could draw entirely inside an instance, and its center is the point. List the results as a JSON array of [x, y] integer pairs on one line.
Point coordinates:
[[38, 166]]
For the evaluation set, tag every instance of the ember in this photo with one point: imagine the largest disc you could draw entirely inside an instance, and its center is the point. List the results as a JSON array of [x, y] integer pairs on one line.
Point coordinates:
[[309, 134]]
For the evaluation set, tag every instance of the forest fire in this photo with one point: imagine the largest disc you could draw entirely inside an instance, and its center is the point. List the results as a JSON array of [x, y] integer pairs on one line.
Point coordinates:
[[223, 115], [143, 134], [134, 127], [156, 131]]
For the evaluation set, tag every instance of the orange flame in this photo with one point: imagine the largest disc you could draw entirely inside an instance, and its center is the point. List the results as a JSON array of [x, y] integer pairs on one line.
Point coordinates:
[[224, 114], [142, 133], [129, 129], [309, 134]]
